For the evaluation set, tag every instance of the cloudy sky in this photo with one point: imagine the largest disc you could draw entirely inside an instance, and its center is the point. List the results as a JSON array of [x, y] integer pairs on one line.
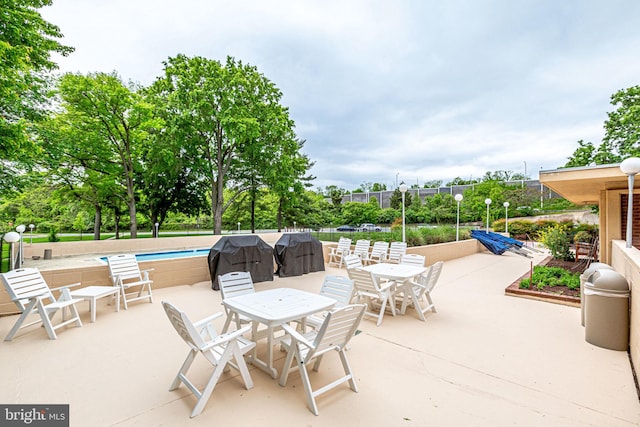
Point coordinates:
[[383, 90]]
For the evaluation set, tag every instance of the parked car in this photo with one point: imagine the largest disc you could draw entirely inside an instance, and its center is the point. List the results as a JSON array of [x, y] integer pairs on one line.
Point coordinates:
[[346, 228], [369, 227]]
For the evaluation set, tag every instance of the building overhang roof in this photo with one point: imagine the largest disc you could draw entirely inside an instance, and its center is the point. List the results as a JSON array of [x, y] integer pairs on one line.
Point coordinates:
[[582, 185]]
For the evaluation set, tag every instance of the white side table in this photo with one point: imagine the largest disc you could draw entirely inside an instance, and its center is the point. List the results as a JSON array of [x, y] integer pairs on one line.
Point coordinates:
[[93, 293]]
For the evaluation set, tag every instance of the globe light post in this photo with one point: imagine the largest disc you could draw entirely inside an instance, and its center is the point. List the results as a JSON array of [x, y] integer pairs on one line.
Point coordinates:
[[238, 226], [31, 227], [403, 189], [458, 198], [20, 229], [487, 201], [157, 229], [506, 216], [11, 238], [630, 167]]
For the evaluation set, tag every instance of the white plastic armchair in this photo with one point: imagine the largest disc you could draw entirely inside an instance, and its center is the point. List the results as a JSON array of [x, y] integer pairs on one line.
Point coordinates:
[[335, 333], [352, 261], [413, 259], [368, 288], [31, 294], [234, 284], [219, 350], [396, 251], [339, 252], [134, 284], [417, 292], [339, 288], [362, 249], [378, 253]]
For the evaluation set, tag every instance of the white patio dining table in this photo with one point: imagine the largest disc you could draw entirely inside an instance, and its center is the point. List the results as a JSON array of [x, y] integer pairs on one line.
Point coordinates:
[[274, 307], [399, 273]]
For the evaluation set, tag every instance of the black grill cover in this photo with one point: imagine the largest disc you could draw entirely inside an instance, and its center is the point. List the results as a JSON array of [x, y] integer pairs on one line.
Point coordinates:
[[297, 254], [241, 253]]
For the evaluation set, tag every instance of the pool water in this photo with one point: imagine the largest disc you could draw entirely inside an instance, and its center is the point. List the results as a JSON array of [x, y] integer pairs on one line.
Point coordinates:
[[168, 255]]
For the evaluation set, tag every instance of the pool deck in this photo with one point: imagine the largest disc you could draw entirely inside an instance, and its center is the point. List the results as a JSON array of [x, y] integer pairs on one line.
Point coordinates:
[[483, 359]]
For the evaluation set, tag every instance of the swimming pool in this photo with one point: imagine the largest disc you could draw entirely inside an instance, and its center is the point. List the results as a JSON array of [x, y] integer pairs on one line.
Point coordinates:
[[154, 256]]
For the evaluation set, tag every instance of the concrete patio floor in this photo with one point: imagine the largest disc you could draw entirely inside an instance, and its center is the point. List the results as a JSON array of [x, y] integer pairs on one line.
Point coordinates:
[[485, 359]]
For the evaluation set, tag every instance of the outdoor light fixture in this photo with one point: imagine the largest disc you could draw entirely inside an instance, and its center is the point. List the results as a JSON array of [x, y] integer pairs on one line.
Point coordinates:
[[458, 198], [487, 202], [403, 189], [506, 216], [630, 167], [31, 227], [11, 237], [20, 229], [294, 226], [238, 226], [157, 229]]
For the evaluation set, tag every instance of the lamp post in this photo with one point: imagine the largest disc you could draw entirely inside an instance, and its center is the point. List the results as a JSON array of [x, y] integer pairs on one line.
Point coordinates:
[[458, 198], [403, 189], [294, 226], [157, 229], [506, 216], [20, 229], [487, 201], [11, 237], [31, 227], [630, 167], [238, 226]]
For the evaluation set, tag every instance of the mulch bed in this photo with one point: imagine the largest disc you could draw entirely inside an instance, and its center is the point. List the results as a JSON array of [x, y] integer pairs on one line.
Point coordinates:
[[553, 294]]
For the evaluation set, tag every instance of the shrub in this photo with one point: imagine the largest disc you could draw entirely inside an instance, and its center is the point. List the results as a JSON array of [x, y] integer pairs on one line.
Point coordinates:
[[53, 236], [556, 239], [551, 276]]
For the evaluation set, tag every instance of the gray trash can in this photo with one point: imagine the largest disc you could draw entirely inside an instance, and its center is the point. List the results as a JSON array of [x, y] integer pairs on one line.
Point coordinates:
[[586, 277], [47, 253], [607, 310]]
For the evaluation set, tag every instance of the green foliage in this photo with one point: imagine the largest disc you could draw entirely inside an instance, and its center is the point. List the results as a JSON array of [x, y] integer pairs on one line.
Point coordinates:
[[557, 240], [551, 276], [53, 236]]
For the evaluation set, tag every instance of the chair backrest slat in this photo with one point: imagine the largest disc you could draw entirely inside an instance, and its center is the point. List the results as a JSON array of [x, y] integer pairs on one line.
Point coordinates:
[[380, 250], [235, 283], [362, 248], [338, 328], [413, 259], [352, 261], [344, 244], [24, 283], [339, 288], [124, 266], [363, 280], [396, 250], [183, 325]]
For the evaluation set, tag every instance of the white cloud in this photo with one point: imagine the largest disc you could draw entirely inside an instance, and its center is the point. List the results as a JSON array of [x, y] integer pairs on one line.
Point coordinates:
[[426, 90]]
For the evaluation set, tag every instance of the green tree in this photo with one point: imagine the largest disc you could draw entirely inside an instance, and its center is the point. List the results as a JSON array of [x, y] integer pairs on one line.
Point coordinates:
[[622, 133], [103, 128], [26, 44], [218, 111]]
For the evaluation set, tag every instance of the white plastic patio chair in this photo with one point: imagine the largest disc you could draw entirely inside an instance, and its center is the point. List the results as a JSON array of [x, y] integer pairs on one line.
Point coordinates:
[[369, 289], [339, 288], [362, 249], [414, 292], [378, 252], [339, 252], [219, 350], [396, 250], [352, 261], [234, 284], [134, 284], [31, 294], [413, 259], [335, 333]]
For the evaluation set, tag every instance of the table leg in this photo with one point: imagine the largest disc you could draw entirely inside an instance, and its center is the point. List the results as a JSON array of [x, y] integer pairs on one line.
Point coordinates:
[[92, 308]]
